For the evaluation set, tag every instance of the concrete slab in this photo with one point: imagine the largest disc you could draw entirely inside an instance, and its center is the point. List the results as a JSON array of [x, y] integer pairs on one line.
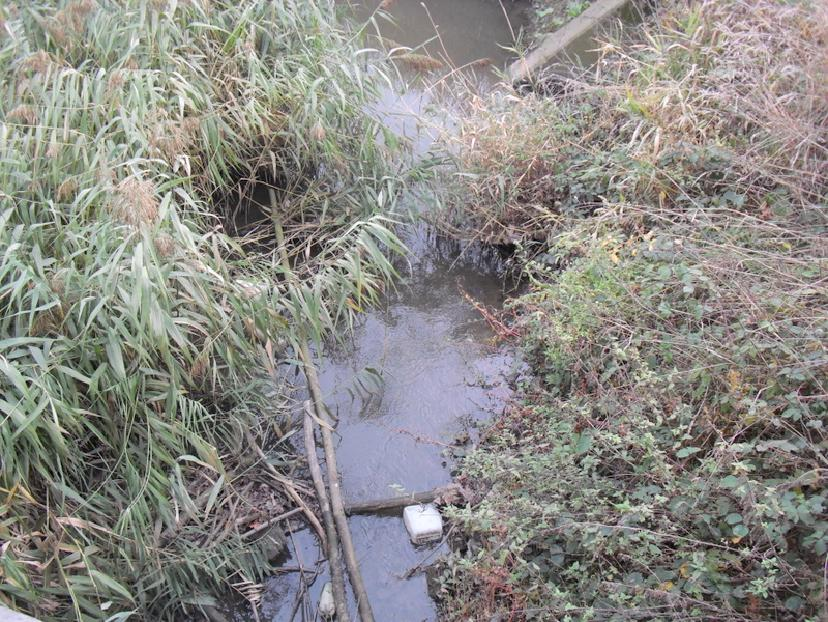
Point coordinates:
[[555, 43], [7, 615]]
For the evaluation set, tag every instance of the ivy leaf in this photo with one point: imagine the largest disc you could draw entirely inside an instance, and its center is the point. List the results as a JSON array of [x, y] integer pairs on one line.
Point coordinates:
[[780, 445], [687, 451], [794, 603]]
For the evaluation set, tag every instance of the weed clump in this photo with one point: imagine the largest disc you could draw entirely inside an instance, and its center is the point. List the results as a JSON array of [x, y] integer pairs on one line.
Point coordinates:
[[667, 462]]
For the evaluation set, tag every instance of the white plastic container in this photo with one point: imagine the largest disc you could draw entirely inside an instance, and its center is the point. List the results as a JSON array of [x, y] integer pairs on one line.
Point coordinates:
[[327, 608], [423, 522]]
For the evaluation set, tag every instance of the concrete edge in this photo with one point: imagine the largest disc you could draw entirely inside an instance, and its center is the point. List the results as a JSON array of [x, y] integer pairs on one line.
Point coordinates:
[[554, 43], [7, 615]]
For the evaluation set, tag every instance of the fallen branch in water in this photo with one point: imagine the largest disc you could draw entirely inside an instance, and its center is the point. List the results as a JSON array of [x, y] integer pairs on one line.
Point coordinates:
[[319, 415], [270, 522], [337, 505], [337, 578], [496, 324], [442, 494]]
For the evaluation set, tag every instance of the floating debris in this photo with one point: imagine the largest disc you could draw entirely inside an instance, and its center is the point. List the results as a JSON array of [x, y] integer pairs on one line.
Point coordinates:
[[423, 522]]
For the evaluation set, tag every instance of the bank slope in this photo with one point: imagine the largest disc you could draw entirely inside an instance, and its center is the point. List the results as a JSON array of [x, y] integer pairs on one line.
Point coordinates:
[[668, 461]]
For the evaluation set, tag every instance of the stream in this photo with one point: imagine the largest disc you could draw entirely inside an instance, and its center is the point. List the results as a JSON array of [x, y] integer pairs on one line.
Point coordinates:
[[420, 373]]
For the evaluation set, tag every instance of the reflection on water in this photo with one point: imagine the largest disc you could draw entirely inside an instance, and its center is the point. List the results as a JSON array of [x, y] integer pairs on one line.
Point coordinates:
[[458, 32], [433, 354]]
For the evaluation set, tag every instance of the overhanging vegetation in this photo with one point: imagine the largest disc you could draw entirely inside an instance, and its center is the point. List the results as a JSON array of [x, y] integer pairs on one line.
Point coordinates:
[[138, 341]]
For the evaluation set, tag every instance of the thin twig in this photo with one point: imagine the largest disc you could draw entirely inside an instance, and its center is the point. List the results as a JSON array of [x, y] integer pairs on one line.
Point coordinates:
[[291, 491]]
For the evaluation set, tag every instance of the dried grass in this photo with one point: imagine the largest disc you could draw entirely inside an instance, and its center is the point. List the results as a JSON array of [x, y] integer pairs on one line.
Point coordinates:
[[420, 62], [69, 21], [67, 189], [23, 113], [39, 63], [747, 77], [164, 244]]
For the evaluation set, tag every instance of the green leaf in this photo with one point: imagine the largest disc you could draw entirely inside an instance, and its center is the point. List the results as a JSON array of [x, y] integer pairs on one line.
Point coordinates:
[[687, 451], [110, 583], [114, 355], [583, 442], [781, 445], [731, 481]]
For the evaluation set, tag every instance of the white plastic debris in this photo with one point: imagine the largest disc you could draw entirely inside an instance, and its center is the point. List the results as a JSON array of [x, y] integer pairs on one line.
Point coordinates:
[[327, 608], [423, 523]]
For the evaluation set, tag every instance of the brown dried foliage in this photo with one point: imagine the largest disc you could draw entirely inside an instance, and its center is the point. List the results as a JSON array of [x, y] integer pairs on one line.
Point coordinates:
[[134, 202]]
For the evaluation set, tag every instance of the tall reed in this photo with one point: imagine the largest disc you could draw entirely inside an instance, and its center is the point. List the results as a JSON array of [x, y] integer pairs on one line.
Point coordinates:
[[136, 335]]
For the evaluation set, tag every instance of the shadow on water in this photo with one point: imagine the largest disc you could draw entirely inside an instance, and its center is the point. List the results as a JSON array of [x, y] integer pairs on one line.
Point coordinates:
[[421, 372]]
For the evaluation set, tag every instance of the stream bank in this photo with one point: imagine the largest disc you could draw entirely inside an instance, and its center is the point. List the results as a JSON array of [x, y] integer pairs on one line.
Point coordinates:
[[667, 460]]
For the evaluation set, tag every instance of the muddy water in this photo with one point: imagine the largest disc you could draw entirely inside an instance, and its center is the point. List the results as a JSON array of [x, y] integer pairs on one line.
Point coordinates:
[[416, 379], [459, 32], [472, 38], [420, 372], [417, 373]]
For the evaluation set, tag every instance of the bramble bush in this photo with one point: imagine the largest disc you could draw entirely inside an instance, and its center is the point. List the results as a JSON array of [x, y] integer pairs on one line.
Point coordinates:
[[668, 461]]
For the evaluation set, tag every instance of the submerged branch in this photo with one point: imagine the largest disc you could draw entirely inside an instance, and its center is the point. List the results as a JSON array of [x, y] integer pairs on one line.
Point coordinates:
[[336, 503], [337, 577], [442, 494]]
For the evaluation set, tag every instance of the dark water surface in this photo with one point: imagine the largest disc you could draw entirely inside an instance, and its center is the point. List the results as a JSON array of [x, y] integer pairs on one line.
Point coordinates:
[[419, 372]]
